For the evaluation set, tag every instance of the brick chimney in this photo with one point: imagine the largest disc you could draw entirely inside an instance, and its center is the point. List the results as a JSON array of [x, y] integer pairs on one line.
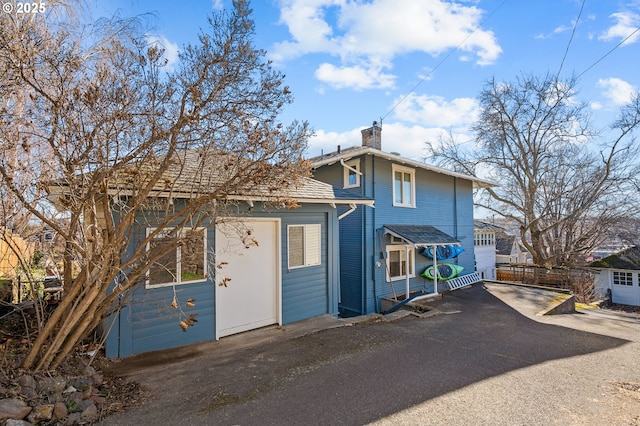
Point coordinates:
[[372, 137]]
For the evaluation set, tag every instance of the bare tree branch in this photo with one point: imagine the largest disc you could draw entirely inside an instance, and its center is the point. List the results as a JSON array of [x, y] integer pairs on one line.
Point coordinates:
[[91, 121], [563, 188]]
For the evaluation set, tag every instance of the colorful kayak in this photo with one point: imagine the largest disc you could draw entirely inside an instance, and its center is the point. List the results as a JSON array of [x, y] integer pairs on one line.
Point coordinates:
[[442, 252], [445, 271]]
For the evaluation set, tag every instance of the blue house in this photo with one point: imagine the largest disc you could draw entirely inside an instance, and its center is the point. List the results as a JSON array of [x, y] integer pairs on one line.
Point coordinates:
[[258, 267], [416, 205]]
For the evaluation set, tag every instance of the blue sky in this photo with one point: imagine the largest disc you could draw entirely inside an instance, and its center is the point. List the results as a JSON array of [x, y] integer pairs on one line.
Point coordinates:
[[418, 65]]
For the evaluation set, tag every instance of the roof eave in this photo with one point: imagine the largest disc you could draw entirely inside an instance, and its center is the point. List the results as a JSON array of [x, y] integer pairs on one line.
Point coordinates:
[[332, 159], [254, 198]]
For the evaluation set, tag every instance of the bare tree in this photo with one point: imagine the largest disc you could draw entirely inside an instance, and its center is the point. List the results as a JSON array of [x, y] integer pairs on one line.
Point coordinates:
[[114, 140], [557, 180]]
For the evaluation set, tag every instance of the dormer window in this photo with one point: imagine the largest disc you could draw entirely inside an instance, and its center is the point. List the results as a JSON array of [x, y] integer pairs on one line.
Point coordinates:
[[352, 173], [404, 189]]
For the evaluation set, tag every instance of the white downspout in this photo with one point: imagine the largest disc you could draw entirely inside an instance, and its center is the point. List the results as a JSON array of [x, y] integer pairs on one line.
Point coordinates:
[[435, 270], [352, 208], [406, 270], [349, 167]]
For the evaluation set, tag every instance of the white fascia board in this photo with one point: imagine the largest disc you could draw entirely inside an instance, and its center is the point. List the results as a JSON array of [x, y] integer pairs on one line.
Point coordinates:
[[250, 198], [479, 183]]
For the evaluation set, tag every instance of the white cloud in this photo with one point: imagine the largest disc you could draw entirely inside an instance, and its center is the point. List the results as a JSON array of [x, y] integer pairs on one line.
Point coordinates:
[[429, 118], [557, 30], [325, 142], [307, 25], [217, 4], [627, 23], [562, 28], [437, 111], [618, 91], [171, 50], [368, 35], [355, 77], [408, 141]]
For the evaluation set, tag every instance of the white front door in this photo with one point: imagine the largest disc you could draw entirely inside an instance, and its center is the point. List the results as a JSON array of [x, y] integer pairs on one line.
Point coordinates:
[[247, 274]]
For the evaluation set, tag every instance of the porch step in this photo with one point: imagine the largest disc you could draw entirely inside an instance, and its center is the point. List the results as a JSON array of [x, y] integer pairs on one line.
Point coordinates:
[[463, 281]]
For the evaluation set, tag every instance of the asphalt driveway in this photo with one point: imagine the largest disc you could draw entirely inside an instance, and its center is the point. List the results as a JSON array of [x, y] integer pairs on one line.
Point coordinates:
[[480, 361]]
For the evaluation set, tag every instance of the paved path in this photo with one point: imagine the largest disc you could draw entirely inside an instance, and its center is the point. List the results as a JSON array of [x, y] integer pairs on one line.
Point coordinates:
[[480, 362], [584, 389]]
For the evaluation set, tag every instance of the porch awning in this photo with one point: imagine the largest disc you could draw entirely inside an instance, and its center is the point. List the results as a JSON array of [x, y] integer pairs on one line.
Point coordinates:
[[420, 235]]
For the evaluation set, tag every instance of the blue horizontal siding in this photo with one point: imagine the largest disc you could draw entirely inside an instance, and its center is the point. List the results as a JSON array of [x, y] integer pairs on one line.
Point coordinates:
[[153, 324], [351, 263], [441, 201], [148, 322], [305, 291], [353, 237]]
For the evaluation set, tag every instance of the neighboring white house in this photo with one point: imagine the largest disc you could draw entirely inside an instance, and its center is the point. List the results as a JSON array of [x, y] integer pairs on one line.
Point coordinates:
[[484, 248], [619, 273], [509, 250]]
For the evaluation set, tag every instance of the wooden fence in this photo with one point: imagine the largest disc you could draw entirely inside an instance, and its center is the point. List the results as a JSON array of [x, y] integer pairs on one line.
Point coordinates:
[[12, 248], [579, 280]]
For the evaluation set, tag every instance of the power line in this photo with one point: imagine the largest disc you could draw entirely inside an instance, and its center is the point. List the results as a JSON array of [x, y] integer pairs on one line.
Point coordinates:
[[566, 52], [441, 62], [608, 53]]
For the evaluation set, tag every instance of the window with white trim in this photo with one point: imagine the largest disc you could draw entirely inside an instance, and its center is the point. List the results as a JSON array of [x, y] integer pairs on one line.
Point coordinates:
[[404, 188], [484, 239], [304, 245], [351, 174], [622, 278], [184, 260], [400, 262]]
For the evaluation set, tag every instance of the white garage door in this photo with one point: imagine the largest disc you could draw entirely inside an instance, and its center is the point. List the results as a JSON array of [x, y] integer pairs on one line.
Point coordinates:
[[250, 297]]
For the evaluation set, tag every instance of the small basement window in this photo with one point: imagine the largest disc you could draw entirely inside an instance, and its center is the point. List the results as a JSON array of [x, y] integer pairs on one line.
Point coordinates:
[[398, 264]]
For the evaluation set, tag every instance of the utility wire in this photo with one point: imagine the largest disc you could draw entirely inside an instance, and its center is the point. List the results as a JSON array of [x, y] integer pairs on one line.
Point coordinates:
[[608, 53], [441, 62], [566, 52]]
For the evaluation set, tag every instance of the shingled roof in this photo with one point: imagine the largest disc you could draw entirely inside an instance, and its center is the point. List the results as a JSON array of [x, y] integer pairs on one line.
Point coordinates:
[[481, 225], [504, 243], [195, 173], [626, 259], [420, 234]]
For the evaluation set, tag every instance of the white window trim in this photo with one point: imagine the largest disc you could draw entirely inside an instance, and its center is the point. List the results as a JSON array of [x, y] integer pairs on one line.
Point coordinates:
[[308, 260], [627, 275], [350, 166], [410, 171], [402, 248], [178, 251], [485, 239]]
